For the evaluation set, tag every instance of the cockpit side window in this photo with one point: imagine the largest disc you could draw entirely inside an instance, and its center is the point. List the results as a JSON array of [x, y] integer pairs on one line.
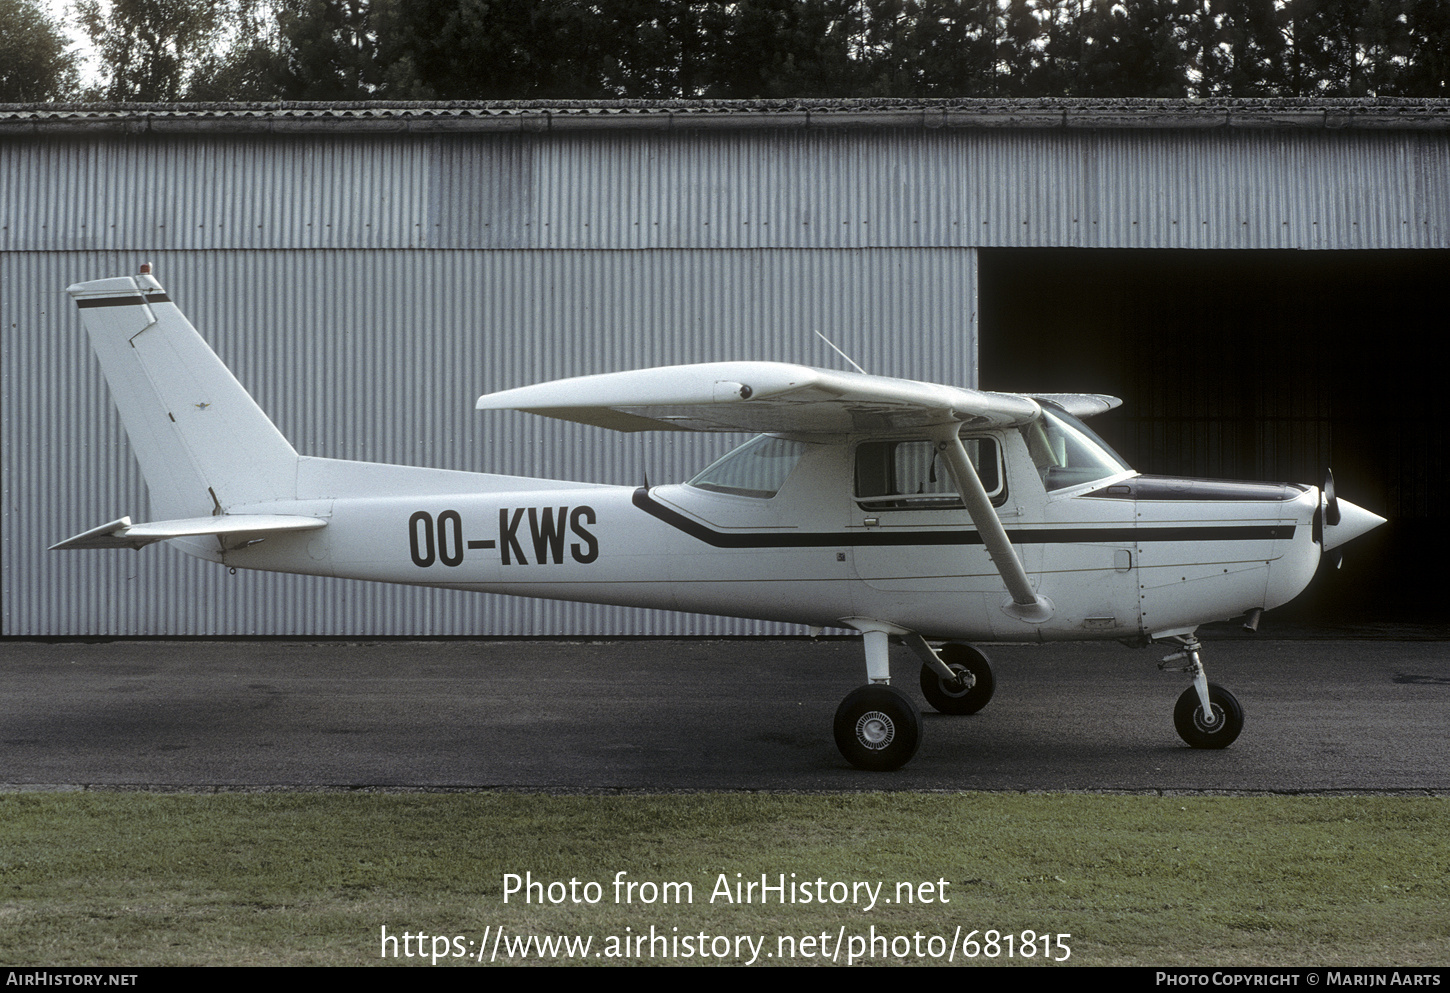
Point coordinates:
[[911, 475], [756, 469], [1067, 452]]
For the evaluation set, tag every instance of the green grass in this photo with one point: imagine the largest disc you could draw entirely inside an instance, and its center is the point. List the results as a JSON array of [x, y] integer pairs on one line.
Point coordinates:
[[310, 879]]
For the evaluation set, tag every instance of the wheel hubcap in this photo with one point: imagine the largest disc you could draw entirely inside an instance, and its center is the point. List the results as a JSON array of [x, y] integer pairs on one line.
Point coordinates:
[[875, 730], [1200, 722]]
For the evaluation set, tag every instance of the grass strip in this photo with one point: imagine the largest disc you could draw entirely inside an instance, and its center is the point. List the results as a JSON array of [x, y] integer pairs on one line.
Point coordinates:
[[312, 879]]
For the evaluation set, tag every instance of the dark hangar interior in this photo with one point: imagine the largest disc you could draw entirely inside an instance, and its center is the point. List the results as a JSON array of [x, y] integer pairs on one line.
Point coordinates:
[[1268, 365]]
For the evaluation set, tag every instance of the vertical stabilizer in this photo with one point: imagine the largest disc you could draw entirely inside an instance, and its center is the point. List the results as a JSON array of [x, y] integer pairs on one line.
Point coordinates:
[[203, 443]]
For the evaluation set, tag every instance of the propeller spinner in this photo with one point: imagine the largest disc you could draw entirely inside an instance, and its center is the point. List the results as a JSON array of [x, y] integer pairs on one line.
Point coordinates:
[[1340, 521]]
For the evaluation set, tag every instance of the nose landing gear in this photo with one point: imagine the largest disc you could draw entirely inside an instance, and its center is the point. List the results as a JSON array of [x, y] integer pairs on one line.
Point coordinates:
[[1206, 715]]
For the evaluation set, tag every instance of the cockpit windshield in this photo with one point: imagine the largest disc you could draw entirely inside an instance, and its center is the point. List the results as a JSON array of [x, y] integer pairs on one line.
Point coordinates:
[[1067, 452], [757, 468]]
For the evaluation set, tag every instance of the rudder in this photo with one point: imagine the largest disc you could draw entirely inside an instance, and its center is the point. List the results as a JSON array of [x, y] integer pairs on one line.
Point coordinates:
[[203, 443]]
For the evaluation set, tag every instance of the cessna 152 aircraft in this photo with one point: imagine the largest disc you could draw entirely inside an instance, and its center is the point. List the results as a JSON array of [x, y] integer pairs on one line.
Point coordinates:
[[904, 510]]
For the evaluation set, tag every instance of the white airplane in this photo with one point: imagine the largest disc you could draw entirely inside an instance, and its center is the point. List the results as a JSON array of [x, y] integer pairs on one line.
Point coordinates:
[[903, 510]]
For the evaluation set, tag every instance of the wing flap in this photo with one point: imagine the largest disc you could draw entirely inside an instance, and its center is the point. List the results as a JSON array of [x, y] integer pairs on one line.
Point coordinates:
[[759, 396], [123, 534]]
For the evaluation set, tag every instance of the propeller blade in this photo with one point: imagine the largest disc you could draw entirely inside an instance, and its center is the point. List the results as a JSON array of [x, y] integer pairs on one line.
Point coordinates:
[[1331, 502]]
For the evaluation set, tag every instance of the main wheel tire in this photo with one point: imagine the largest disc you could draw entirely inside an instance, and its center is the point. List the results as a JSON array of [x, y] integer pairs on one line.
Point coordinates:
[[948, 698], [1228, 718], [878, 728]]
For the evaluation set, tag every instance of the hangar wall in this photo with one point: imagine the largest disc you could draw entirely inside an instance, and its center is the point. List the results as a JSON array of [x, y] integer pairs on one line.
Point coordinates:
[[366, 286], [378, 355]]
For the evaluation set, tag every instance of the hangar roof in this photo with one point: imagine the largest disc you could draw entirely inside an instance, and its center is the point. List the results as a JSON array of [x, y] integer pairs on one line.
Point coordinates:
[[697, 175], [1373, 114]]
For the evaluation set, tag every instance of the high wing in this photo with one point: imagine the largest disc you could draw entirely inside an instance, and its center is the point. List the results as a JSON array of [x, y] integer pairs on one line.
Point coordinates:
[[801, 400], [761, 397]]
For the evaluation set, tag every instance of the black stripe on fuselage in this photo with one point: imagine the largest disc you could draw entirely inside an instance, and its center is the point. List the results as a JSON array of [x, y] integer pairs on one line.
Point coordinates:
[[1019, 536], [129, 300]]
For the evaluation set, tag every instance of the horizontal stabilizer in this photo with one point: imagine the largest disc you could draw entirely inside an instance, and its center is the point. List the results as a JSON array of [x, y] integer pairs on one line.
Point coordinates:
[[760, 397], [241, 527]]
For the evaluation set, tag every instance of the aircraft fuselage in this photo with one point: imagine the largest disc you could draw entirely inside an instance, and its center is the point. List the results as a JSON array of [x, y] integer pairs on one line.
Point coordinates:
[[1123, 558]]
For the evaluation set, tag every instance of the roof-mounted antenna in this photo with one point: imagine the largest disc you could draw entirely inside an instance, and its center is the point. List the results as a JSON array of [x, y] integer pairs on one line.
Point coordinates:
[[843, 355]]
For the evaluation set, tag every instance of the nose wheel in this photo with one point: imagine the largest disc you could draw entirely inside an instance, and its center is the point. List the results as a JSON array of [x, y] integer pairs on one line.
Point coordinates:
[[1202, 731], [1206, 715]]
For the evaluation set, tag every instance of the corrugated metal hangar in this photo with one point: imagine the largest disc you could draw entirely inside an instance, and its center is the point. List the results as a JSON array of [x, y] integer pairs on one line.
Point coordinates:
[[1261, 281]]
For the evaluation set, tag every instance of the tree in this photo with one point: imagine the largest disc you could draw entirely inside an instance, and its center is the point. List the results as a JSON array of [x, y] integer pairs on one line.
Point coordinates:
[[316, 50], [252, 67], [1342, 48], [566, 49], [150, 48], [926, 48], [1424, 70], [658, 48], [1130, 50], [456, 50], [490, 49], [782, 48], [34, 63], [330, 50], [1060, 51], [1018, 51], [1237, 47]]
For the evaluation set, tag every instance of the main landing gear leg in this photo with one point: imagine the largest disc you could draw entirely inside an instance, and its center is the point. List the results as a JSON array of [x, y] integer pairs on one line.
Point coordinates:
[[877, 726], [1206, 715]]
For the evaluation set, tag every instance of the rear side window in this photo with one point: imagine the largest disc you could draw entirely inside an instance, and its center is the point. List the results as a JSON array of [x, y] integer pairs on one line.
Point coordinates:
[[911, 475], [756, 469]]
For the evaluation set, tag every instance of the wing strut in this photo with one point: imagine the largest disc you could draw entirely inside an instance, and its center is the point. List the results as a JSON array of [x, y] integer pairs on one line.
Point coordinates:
[[1026, 605]]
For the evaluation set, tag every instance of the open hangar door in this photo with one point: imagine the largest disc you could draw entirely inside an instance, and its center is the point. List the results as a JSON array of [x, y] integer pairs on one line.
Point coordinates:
[[1269, 365]]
